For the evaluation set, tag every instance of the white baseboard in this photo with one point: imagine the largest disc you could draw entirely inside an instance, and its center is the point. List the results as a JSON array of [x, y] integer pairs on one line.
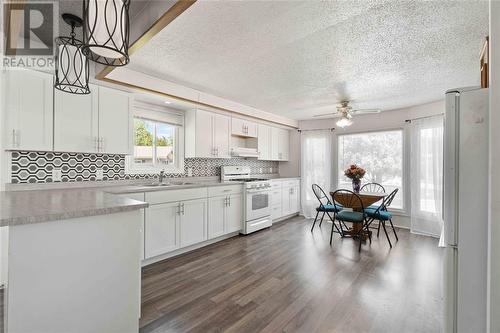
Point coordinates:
[[167, 255], [283, 218]]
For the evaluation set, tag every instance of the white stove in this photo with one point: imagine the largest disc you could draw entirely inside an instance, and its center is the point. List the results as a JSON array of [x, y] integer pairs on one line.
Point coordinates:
[[257, 197]]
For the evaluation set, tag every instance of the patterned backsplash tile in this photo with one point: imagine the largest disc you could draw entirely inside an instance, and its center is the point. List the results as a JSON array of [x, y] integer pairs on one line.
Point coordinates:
[[36, 167]]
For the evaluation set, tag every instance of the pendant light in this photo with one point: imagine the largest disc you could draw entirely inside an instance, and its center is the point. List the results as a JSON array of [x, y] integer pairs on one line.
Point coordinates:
[[106, 31], [72, 67]]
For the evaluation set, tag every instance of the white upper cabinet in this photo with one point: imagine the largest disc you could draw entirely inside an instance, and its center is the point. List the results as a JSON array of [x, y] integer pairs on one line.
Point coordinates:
[[207, 134], [221, 135], [275, 149], [283, 144], [203, 134], [242, 127], [114, 119], [264, 142], [76, 121], [273, 143], [28, 110]]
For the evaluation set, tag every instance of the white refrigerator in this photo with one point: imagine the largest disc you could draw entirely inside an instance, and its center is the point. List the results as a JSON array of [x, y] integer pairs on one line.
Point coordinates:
[[465, 210]]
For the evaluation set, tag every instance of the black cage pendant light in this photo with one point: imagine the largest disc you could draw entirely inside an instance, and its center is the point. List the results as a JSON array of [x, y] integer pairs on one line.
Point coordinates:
[[72, 67], [106, 31]]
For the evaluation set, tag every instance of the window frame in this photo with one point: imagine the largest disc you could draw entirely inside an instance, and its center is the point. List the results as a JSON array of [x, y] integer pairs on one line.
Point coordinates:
[[156, 114], [405, 186]]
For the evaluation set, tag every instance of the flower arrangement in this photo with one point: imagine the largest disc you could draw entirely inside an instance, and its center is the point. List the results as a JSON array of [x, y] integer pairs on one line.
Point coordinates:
[[354, 172]]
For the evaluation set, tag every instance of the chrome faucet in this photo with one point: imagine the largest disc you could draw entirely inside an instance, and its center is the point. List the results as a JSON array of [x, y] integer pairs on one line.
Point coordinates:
[[161, 176]]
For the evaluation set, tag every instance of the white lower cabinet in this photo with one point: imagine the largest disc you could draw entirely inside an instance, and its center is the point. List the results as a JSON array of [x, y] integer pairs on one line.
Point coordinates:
[[216, 216], [234, 214], [161, 229], [285, 198], [290, 200], [225, 215], [192, 222], [198, 214]]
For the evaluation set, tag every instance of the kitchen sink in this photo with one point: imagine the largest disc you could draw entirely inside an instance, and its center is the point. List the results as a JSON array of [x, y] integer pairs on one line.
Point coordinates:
[[183, 183], [157, 185]]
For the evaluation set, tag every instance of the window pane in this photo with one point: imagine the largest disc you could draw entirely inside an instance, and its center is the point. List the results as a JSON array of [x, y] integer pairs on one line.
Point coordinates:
[[143, 141], [431, 151], [164, 143], [380, 154]]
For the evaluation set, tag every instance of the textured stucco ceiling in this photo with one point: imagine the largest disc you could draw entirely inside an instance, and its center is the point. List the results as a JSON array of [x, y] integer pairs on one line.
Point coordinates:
[[299, 58]]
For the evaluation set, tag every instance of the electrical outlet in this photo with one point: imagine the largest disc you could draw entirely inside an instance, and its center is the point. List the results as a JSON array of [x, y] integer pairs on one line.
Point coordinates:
[[99, 174], [271, 170], [190, 172], [56, 175], [260, 170]]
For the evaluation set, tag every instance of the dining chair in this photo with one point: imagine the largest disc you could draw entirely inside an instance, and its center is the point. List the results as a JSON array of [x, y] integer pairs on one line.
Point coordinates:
[[382, 215], [373, 188], [356, 215], [325, 207]]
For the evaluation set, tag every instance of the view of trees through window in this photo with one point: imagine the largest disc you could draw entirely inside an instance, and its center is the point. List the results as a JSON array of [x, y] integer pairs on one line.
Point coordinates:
[[153, 142], [380, 154]]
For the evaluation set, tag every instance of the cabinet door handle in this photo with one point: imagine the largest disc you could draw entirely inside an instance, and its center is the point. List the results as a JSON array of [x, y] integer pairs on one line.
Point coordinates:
[[101, 144], [14, 141]]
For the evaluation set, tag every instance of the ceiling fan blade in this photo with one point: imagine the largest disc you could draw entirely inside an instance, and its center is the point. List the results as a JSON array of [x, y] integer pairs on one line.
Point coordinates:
[[330, 114], [363, 111]]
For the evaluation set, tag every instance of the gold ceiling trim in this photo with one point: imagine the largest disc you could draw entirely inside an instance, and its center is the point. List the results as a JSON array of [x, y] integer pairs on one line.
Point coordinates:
[[170, 15]]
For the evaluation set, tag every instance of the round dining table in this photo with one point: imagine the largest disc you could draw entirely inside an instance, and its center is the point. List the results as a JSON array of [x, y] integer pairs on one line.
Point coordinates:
[[346, 200]]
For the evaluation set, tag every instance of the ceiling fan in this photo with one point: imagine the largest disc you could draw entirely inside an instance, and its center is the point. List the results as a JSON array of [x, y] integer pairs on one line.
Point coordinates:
[[346, 112]]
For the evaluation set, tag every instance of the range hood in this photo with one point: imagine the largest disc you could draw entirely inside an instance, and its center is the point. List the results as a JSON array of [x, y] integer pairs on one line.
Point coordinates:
[[244, 152]]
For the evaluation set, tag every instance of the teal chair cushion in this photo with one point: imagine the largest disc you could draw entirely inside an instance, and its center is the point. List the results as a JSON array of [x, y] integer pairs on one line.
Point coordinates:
[[374, 207], [348, 216], [380, 215], [329, 208]]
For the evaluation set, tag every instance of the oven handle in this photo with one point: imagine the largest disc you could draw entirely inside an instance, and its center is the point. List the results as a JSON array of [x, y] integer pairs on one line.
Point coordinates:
[[259, 191]]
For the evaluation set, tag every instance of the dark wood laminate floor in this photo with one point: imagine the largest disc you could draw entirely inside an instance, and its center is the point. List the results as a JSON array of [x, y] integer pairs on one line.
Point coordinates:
[[287, 279]]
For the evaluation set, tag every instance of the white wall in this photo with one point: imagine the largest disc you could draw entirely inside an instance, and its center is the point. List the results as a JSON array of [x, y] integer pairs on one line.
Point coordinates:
[[291, 168], [494, 220], [371, 122]]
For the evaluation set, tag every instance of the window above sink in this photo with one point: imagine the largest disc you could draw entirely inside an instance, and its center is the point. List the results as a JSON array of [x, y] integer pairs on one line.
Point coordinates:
[[157, 139]]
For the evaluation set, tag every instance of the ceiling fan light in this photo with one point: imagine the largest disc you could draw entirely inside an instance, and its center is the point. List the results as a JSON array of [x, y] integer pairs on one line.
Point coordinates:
[[106, 29], [344, 122]]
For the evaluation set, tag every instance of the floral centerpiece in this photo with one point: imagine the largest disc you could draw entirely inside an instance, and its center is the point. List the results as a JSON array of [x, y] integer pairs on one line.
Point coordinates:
[[355, 173]]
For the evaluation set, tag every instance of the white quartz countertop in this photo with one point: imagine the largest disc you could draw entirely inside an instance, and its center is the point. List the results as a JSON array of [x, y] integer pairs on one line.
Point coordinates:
[[25, 207]]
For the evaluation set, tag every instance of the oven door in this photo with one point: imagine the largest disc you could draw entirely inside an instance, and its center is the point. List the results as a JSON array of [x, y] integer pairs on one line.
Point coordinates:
[[258, 204]]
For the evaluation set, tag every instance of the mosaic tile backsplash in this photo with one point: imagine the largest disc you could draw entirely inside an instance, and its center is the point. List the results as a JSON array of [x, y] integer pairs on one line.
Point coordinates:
[[36, 167]]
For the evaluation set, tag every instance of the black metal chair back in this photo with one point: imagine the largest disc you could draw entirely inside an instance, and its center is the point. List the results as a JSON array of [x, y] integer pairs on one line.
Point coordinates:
[[348, 199], [373, 188], [387, 201], [321, 195]]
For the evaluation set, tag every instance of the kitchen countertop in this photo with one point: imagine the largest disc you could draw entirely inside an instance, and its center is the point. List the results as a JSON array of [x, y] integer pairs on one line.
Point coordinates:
[[123, 189], [43, 205], [26, 207]]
